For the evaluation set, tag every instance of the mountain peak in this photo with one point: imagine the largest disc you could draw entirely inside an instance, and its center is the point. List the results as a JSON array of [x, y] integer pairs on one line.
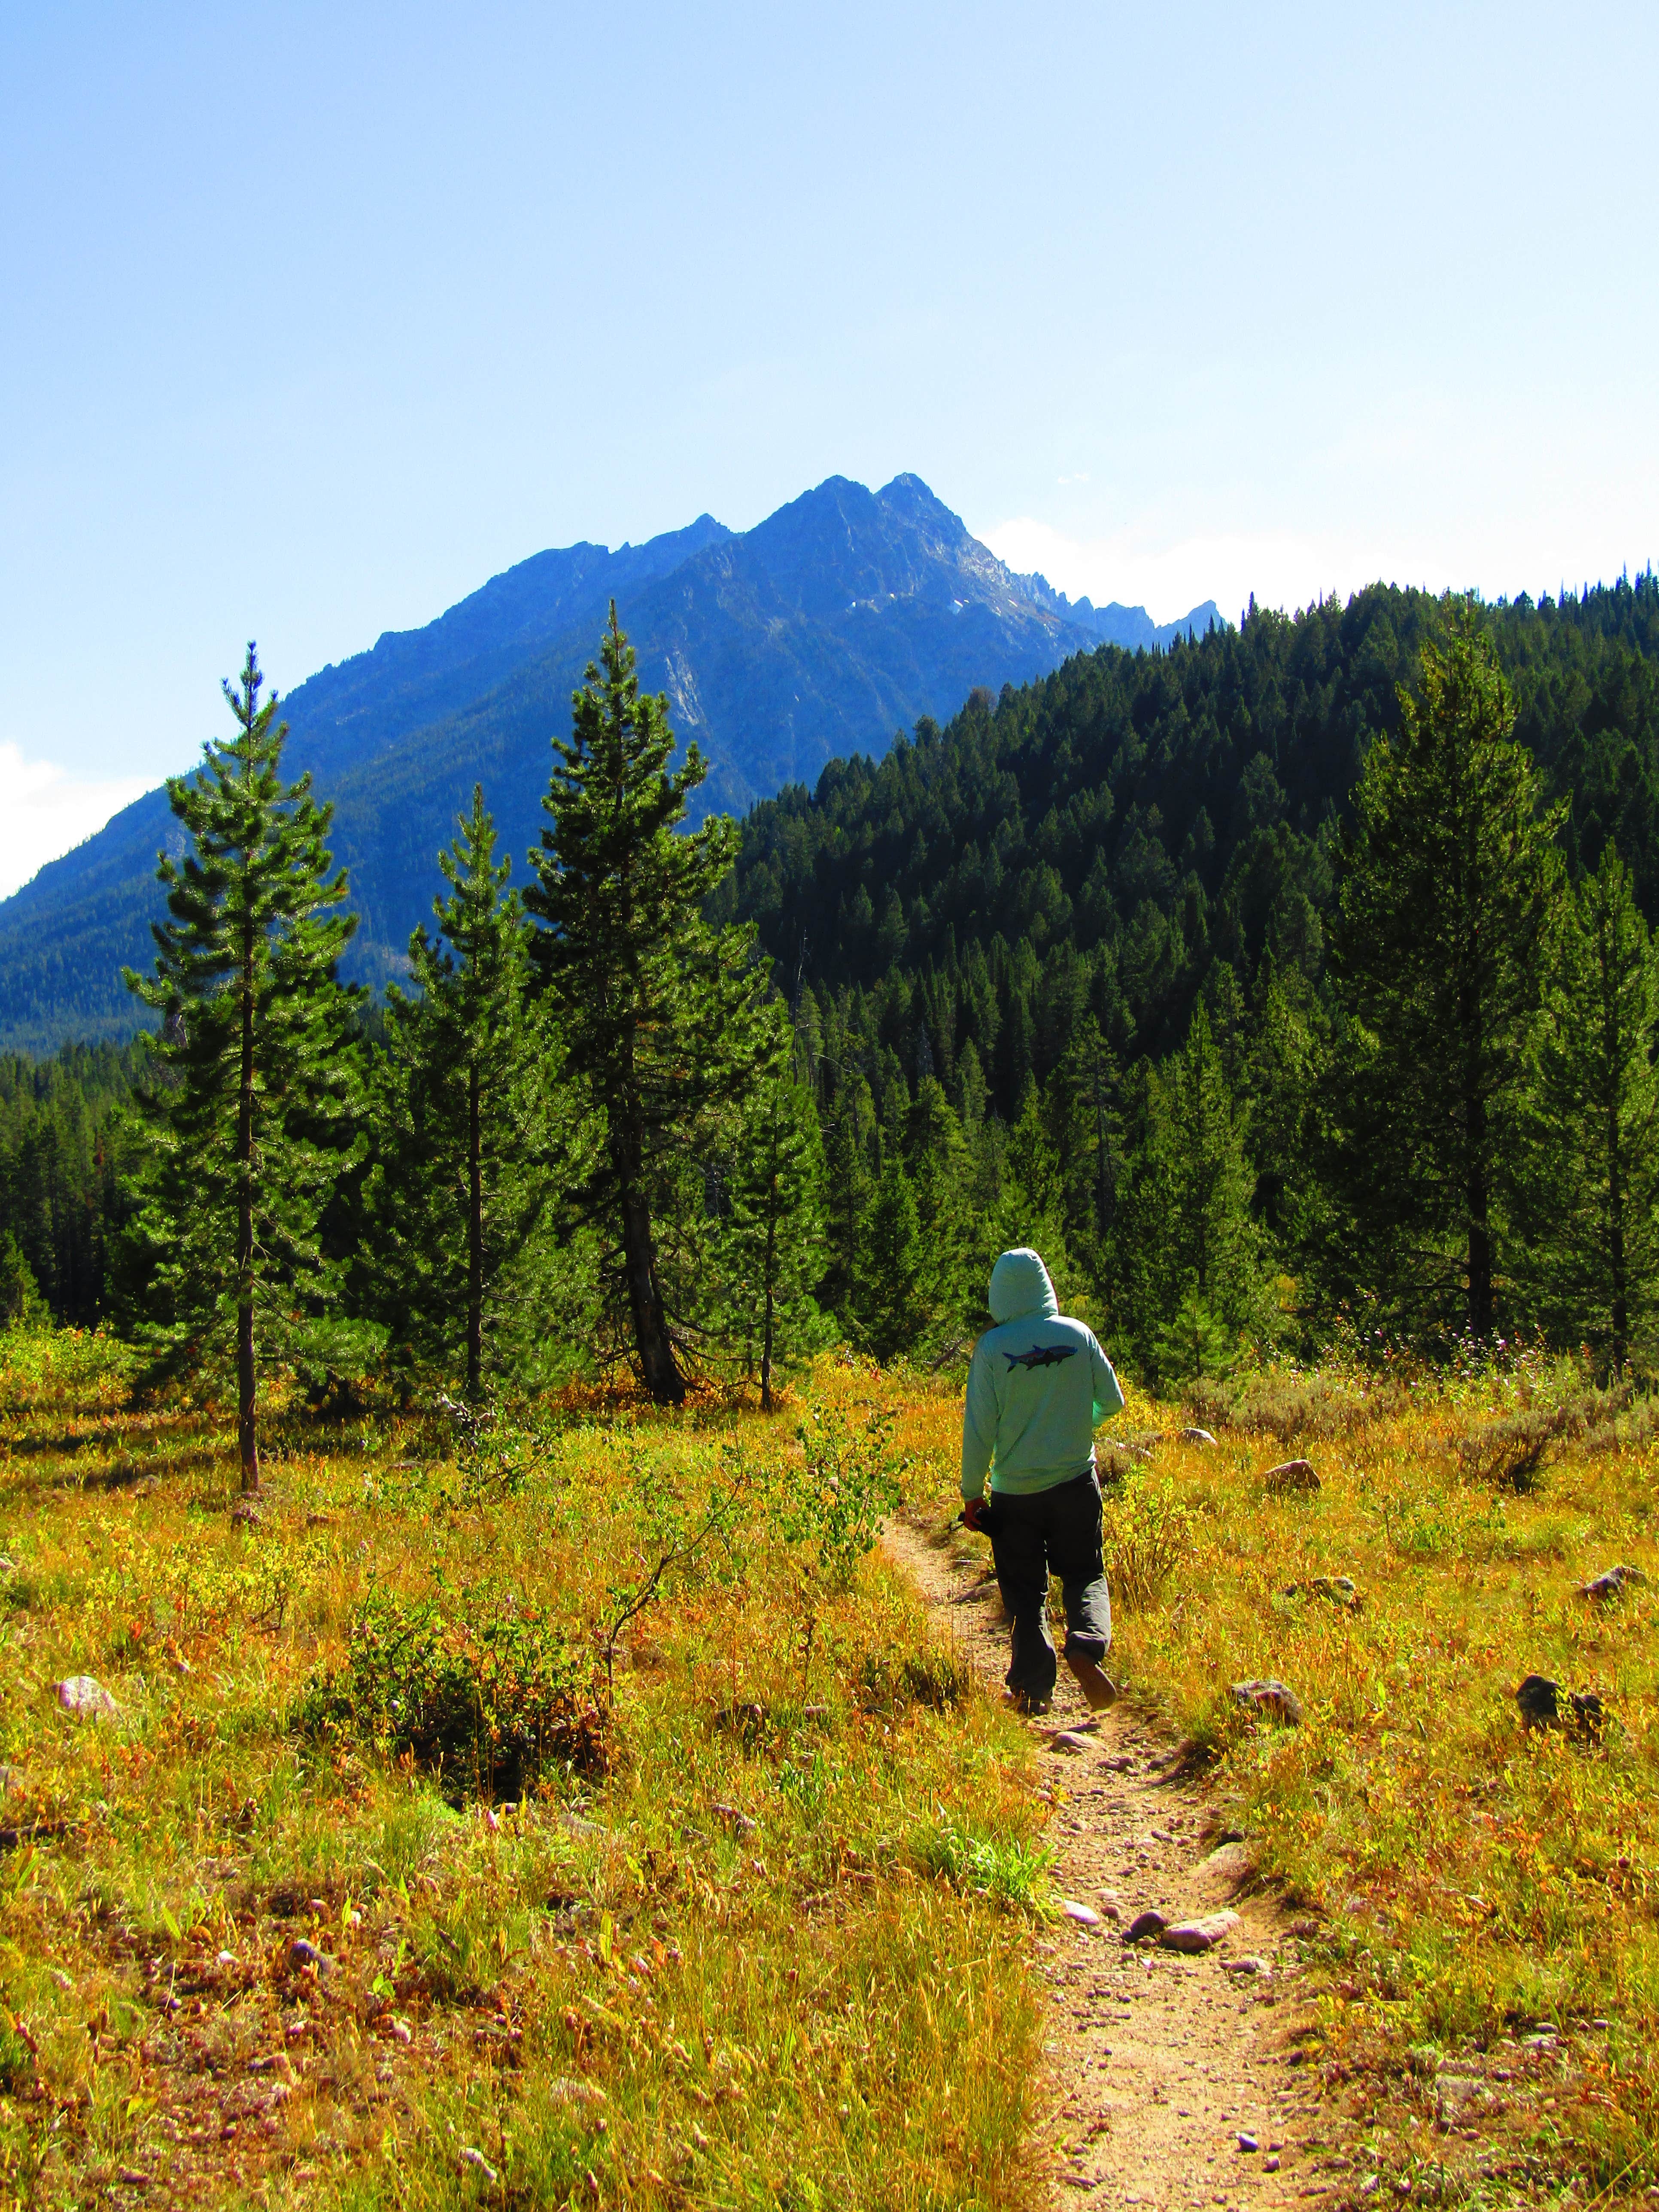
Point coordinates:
[[844, 616]]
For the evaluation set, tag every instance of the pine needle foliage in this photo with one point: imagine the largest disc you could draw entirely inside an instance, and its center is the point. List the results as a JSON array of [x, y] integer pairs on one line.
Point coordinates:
[[664, 1016], [771, 1246], [1593, 1123], [252, 1079], [465, 1100], [1442, 929]]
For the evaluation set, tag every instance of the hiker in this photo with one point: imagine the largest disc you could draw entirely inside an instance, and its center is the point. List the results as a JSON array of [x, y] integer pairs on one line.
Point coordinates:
[[1038, 1384]]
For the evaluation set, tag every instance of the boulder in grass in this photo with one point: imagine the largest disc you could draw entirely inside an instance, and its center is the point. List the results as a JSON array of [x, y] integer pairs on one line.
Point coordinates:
[[85, 1698], [1292, 1478], [1546, 1704], [1270, 1700], [1196, 1436], [1613, 1584], [1339, 1589], [1194, 1937]]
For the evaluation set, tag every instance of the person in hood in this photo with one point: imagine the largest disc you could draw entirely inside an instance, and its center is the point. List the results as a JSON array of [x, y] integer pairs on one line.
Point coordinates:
[[1038, 1385]]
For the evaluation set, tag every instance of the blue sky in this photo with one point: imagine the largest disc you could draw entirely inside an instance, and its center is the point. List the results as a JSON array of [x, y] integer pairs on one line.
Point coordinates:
[[317, 317]]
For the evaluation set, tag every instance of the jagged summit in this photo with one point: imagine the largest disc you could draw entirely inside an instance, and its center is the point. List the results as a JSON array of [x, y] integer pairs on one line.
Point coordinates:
[[838, 621]]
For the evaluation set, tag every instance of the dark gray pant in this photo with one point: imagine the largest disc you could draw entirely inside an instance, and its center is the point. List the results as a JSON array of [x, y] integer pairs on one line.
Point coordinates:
[[1050, 1532]]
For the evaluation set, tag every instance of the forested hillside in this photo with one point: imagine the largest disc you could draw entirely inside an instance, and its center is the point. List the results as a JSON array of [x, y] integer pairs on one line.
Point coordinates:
[[61, 1201], [830, 624], [1133, 819], [1012, 920], [1292, 974]]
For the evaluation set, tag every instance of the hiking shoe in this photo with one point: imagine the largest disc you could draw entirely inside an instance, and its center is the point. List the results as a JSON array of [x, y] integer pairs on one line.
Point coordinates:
[[1091, 1678], [1033, 1708]]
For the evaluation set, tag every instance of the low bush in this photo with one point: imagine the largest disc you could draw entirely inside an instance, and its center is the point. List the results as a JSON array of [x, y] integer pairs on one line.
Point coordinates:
[[1510, 1453], [488, 1699], [1145, 1534]]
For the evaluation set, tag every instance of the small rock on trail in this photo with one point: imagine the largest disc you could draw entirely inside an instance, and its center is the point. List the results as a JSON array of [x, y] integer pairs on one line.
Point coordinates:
[[1143, 1925], [1196, 1937]]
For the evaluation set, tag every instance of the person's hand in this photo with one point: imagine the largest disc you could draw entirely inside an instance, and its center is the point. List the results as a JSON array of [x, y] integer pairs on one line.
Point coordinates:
[[973, 1513]]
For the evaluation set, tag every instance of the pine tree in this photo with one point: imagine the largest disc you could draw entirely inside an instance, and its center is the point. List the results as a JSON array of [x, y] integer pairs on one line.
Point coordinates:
[[937, 1164], [1031, 1204], [1185, 1266], [889, 1307], [663, 1016], [1280, 1080], [465, 1087], [1213, 1247], [21, 1305], [772, 1244], [847, 1143], [252, 1075], [1594, 1127], [1449, 878]]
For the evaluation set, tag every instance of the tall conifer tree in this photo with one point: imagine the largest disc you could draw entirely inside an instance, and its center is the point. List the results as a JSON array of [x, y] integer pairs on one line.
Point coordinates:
[[1594, 1121], [663, 1016], [846, 1147], [251, 1075], [772, 1243], [465, 1110], [1449, 879], [890, 1310]]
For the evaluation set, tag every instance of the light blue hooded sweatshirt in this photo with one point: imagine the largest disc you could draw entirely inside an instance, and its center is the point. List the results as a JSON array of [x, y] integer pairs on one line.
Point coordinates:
[[1038, 1385]]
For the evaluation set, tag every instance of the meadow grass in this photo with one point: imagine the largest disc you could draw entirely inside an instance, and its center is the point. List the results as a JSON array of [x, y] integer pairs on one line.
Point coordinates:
[[756, 1940], [755, 1931], [1475, 1880]]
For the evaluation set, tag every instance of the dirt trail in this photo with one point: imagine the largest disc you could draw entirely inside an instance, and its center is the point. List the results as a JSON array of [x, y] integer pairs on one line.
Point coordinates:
[[1158, 2063]]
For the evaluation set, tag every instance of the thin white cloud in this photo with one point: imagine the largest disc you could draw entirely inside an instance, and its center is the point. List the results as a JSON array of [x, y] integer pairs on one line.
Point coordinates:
[[45, 812]]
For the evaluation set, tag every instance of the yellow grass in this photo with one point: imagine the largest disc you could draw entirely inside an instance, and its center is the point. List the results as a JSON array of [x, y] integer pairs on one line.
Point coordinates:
[[617, 1992], [831, 2006], [1475, 1880]]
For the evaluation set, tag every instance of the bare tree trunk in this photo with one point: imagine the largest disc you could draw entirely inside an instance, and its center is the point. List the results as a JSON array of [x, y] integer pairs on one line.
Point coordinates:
[[246, 1433], [474, 1240], [662, 1376]]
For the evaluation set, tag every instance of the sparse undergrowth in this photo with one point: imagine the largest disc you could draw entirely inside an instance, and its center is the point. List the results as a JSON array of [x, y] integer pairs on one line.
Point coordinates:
[[405, 1875], [1474, 1881], [380, 1863]]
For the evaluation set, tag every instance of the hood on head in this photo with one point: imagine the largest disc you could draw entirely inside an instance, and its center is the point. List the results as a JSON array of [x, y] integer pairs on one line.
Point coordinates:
[[1020, 1285]]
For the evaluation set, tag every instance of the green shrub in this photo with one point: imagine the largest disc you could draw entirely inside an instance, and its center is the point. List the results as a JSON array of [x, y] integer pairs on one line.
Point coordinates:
[[1145, 1533], [487, 1699]]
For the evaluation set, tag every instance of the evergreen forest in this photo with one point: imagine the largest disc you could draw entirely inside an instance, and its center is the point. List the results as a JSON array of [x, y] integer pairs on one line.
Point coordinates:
[[1294, 983]]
